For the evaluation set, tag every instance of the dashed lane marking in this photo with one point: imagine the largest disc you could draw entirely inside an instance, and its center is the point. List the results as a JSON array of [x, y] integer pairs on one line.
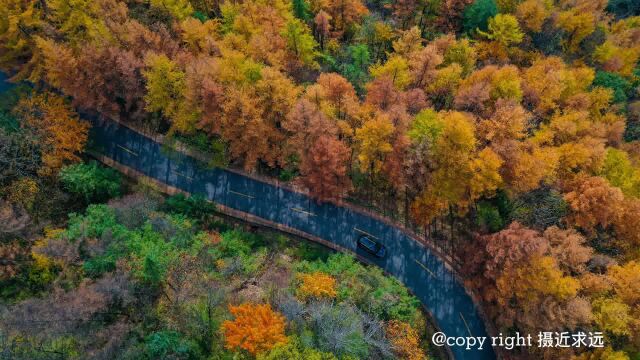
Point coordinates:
[[241, 194], [128, 150], [425, 268], [183, 175], [303, 211]]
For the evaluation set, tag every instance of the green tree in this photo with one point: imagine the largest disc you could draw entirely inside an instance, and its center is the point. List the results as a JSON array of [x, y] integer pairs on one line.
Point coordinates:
[[355, 68], [476, 15], [301, 9], [488, 217], [94, 183], [624, 8], [620, 86]]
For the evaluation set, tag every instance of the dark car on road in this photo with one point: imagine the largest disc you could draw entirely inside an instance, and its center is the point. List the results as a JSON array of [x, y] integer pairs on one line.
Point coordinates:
[[372, 247]]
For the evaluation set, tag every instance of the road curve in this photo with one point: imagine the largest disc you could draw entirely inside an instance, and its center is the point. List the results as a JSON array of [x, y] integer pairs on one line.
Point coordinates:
[[413, 264]]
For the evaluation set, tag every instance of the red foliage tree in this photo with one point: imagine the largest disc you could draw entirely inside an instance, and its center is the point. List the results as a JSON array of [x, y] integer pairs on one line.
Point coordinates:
[[324, 169]]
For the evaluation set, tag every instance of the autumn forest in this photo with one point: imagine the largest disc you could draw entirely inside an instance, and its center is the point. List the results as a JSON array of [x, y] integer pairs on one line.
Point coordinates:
[[506, 133]]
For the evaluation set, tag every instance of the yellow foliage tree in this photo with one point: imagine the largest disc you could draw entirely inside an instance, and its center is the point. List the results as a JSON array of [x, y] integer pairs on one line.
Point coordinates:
[[317, 285], [256, 328], [504, 29], [374, 138], [453, 150], [620, 172], [612, 315], [16, 44], [549, 82], [626, 282], [199, 36], [179, 9], [396, 68], [481, 90], [578, 24], [530, 284], [82, 20], [428, 206], [486, 173], [404, 340], [166, 86]]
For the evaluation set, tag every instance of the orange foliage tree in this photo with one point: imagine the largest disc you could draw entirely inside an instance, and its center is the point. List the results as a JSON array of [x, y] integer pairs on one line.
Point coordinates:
[[256, 328], [61, 133], [594, 203], [627, 226]]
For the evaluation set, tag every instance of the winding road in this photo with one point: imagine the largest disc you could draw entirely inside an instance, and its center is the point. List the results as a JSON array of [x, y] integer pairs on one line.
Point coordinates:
[[412, 263]]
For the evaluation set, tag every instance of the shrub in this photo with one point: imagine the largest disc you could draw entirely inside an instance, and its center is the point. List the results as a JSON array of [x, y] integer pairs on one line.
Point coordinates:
[[234, 243], [133, 210], [240, 252], [367, 287], [170, 345], [346, 331], [195, 207], [92, 182], [23, 192]]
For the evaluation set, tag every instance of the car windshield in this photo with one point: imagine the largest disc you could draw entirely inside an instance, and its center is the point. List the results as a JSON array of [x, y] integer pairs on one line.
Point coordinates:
[[369, 243]]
